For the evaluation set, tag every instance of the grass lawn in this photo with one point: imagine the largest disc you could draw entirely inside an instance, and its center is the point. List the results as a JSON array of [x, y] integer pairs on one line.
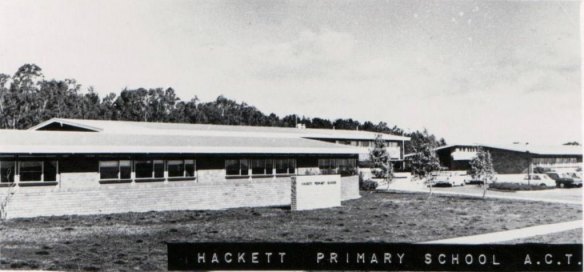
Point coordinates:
[[137, 240]]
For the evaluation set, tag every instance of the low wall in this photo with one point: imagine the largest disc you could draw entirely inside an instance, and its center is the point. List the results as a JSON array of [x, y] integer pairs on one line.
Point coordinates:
[[350, 188], [156, 196]]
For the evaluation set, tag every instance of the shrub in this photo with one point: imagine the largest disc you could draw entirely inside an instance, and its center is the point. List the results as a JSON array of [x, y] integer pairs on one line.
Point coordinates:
[[368, 185], [508, 186], [348, 172]]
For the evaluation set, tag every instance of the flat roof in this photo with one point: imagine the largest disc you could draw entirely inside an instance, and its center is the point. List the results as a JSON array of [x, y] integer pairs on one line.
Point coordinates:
[[130, 127], [59, 142], [533, 149]]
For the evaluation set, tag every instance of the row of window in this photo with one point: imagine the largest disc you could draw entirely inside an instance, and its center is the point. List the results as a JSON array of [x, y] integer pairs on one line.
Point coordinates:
[[554, 160], [146, 169], [46, 170], [345, 167], [30, 171], [365, 143], [245, 167], [466, 149]]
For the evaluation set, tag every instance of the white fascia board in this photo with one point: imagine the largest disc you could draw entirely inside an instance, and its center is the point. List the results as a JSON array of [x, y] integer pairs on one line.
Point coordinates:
[[71, 149]]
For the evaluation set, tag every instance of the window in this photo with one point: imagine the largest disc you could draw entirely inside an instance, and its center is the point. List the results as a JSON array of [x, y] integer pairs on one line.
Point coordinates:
[[149, 169], [108, 169], [115, 169], [258, 167], [50, 170], [285, 166], [31, 171], [237, 167], [158, 168], [144, 169], [327, 166], [7, 170], [176, 168], [281, 166], [232, 168], [344, 167], [125, 169], [189, 168], [181, 168], [39, 171]]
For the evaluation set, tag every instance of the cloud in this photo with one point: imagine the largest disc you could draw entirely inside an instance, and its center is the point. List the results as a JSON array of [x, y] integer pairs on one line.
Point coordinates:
[[309, 55]]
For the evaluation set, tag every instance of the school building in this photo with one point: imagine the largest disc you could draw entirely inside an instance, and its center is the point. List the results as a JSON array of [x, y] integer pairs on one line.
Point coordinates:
[[514, 158], [68, 166]]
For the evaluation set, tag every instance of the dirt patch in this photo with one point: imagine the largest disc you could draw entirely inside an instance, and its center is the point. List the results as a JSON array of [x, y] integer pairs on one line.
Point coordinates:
[[137, 241]]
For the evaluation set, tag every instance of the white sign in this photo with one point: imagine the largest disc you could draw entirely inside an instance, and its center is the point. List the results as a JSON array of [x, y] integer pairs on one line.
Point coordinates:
[[316, 192]]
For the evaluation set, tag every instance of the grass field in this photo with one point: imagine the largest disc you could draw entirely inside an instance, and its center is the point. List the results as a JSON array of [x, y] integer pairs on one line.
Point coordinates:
[[137, 241]]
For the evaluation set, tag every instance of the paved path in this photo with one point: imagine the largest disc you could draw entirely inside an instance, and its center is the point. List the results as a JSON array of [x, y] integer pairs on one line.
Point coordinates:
[[509, 235]]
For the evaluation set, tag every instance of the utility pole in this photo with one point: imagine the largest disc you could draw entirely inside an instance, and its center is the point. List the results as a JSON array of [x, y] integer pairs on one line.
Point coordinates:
[[528, 169]]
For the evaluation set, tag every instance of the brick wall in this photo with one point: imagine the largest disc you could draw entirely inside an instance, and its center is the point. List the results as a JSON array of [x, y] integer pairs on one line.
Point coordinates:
[[508, 162], [160, 196], [80, 180]]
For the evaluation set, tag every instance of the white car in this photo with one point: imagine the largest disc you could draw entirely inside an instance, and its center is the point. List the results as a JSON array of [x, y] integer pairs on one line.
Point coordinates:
[[539, 179], [445, 179]]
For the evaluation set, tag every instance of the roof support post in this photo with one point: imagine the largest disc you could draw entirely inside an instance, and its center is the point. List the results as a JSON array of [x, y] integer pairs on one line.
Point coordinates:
[[17, 172], [133, 170], [165, 171]]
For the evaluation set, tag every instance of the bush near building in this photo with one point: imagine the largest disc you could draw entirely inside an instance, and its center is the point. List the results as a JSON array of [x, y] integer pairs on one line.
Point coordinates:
[[508, 186]]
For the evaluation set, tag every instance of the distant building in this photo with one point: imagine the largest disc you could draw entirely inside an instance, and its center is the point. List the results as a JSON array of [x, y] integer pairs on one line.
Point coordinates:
[[512, 159], [67, 166]]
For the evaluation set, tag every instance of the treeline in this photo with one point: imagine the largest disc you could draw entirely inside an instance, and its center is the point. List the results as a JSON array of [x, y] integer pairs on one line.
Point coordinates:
[[27, 99]]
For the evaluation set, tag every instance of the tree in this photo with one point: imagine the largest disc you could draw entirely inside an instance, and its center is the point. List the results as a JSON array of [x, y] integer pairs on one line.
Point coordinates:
[[21, 100], [481, 168], [320, 123], [572, 143], [425, 161], [4, 100], [381, 161], [107, 107]]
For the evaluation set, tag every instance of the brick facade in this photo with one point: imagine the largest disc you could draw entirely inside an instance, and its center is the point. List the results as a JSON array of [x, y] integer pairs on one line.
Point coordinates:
[[159, 196]]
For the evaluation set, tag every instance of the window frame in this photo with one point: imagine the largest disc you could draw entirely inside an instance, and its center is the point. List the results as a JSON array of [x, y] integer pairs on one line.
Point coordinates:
[[246, 166], [14, 168], [43, 178], [119, 167], [184, 169], [334, 166], [154, 163]]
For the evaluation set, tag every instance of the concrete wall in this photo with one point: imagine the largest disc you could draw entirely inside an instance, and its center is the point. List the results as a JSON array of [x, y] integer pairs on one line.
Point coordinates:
[[160, 196], [350, 188], [315, 192]]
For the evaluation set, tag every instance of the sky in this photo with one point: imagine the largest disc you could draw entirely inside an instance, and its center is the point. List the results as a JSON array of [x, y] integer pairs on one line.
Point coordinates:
[[468, 71]]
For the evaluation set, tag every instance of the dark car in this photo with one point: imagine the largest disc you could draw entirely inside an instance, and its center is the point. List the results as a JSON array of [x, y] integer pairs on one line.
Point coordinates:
[[566, 180]]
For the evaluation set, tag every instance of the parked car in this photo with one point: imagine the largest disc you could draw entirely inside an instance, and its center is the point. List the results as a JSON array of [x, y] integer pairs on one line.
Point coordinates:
[[445, 179], [539, 179], [566, 180], [473, 181]]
